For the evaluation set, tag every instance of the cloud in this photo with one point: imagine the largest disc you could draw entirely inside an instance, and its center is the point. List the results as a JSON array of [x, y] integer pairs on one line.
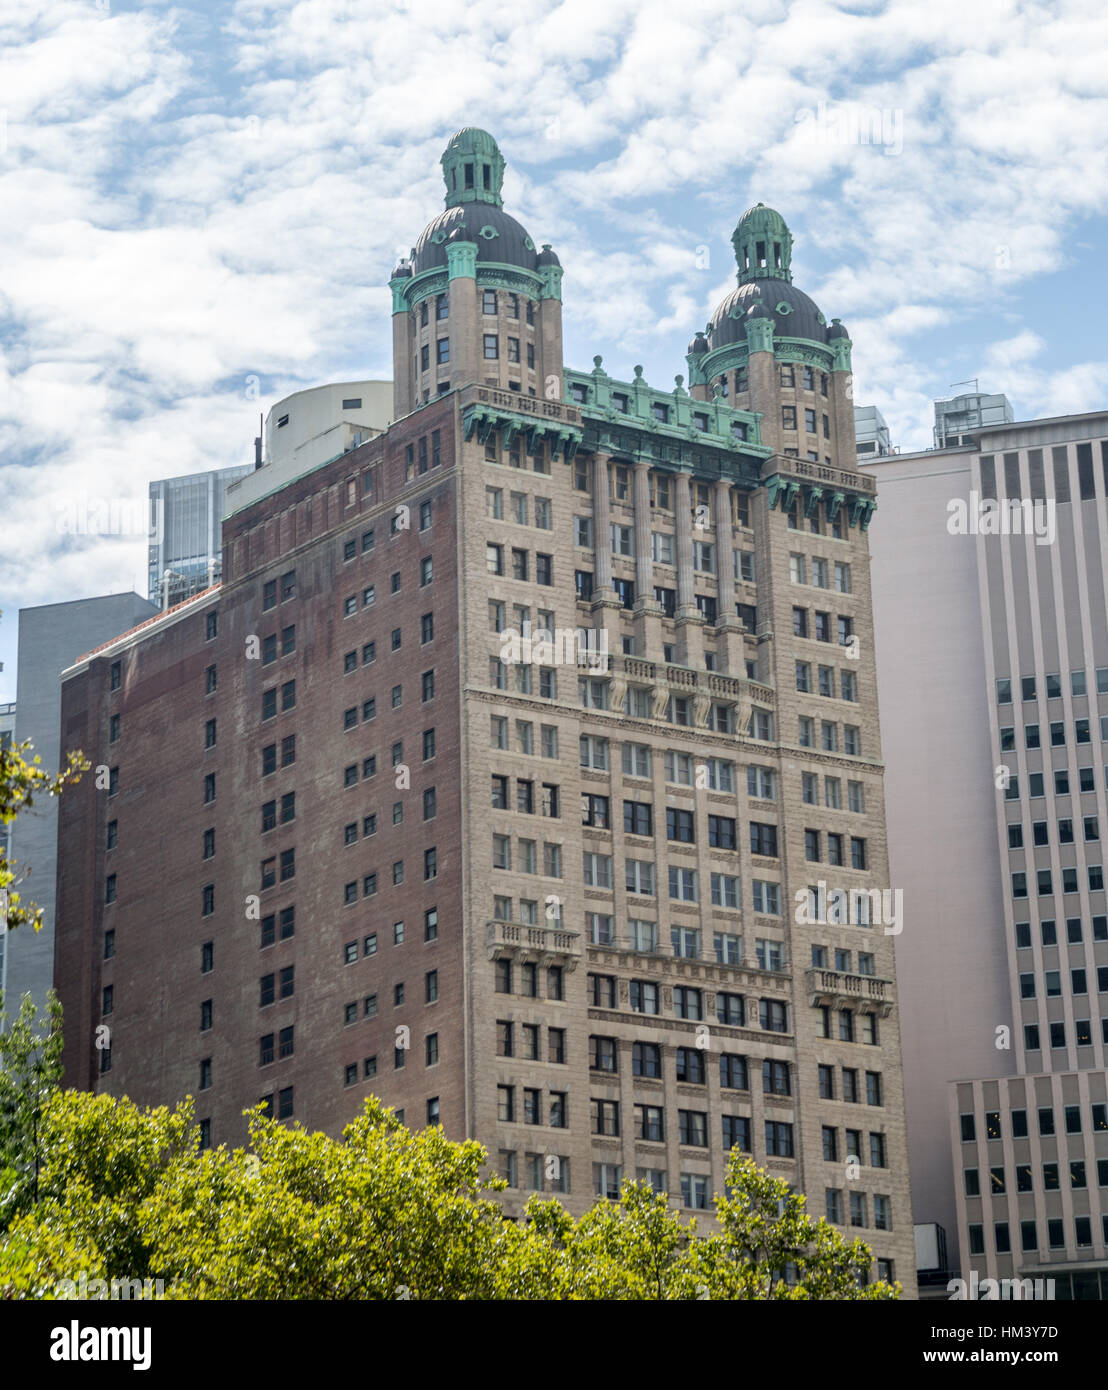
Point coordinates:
[[192, 198]]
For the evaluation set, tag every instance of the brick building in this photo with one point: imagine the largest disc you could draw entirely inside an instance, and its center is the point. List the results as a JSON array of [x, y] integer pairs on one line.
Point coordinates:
[[363, 828]]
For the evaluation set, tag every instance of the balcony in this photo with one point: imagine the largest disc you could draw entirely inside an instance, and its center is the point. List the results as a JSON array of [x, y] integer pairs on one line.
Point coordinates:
[[837, 990], [853, 480], [700, 688], [544, 945]]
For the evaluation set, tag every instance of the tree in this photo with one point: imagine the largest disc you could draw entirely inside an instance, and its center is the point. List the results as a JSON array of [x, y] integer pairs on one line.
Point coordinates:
[[767, 1246], [20, 783], [382, 1213], [30, 1071]]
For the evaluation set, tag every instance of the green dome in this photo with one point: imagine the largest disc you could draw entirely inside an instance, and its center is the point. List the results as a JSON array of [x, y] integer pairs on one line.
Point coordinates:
[[473, 168], [763, 245]]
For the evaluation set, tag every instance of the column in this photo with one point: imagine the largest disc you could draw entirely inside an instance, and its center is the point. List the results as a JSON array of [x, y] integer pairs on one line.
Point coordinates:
[[686, 600], [605, 605], [648, 627], [728, 627], [690, 639]]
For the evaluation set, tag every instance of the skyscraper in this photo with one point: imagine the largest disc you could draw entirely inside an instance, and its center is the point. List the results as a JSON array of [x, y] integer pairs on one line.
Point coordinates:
[[186, 516], [50, 637], [994, 686], [525, 768]]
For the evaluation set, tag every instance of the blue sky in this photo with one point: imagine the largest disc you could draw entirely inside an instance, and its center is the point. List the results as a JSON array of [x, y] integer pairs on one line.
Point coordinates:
[[193, 196]]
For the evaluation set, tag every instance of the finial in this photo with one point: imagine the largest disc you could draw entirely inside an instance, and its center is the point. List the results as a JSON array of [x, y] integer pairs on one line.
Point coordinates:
[[638, 374], [597, 361]]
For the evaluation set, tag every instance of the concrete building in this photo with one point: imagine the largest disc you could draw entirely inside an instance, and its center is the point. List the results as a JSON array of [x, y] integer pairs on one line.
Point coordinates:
[[871, 433], [7, 733], [994, 694], [50, 638], [961, 419], [525, 768], [186, 517]]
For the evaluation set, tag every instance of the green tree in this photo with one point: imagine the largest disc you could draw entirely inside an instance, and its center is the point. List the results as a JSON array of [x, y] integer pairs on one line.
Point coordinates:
[[20, 783], [765, 1233], [30, 1072], [383, 1213]]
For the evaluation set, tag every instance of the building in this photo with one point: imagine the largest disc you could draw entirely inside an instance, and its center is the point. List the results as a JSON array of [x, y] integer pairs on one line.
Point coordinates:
[[994, 695], [871, 434], [525, 768], [186, 515], [7, 733], [50, 638], [961, 419]]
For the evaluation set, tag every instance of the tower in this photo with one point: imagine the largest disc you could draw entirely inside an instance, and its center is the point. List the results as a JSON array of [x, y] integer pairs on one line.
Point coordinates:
[[476, 302]]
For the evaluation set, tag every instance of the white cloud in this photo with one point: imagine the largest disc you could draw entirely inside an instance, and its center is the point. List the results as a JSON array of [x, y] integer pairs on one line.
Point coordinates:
[[189, 199]]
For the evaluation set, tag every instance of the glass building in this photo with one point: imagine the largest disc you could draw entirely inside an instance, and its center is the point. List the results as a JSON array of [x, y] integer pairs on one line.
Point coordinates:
[[185, 519]]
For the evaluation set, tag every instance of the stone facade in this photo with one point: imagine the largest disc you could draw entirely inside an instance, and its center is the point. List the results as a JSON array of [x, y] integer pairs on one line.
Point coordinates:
[[634, 790]]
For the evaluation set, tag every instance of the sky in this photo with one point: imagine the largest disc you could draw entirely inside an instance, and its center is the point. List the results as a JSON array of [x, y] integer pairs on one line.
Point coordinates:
[[201, 206]]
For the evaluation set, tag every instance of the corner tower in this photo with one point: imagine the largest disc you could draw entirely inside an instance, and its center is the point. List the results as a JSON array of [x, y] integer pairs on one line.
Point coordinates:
[[476, 302], [769, 349]]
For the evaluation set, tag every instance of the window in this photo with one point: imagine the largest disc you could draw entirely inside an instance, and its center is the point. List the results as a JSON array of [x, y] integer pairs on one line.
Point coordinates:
[[766, 897], [731, 1009], [687, 1002]]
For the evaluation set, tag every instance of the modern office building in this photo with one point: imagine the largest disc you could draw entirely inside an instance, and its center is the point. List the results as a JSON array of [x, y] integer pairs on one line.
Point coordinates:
[[961, 419], [186, 515], [525, 767], [990, 609], [50, 639], [871, 433], [7, 733]]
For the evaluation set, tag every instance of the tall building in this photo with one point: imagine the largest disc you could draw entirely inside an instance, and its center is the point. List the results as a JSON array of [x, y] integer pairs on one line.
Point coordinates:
[[961, 419], [525, 768], [50, 638], [871, 433], [7, 733], [186, 516], [994, 693]]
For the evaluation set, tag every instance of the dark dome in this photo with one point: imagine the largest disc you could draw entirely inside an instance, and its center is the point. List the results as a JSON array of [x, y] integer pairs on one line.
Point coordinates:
[[546, 256], [794, 314], [510, 246], [699, 344], [837, 329]]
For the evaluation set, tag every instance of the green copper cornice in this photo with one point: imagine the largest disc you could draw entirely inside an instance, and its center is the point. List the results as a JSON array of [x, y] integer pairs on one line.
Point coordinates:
[[667, 429], [551, 276], [399, 286], [706, 366], [858, 506], [409, 291], [483, 421], [461, 260]]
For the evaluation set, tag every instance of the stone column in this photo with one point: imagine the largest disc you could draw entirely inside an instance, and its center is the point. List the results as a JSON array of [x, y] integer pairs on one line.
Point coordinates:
[[605, 605], [648, 628], [690, 640], [728, 627], [602, 525], [686, 600]]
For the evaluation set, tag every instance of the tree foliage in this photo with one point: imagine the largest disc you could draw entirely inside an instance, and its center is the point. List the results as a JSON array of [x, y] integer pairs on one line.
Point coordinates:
[[20, 783], [30, 1071], [384, 1213]]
